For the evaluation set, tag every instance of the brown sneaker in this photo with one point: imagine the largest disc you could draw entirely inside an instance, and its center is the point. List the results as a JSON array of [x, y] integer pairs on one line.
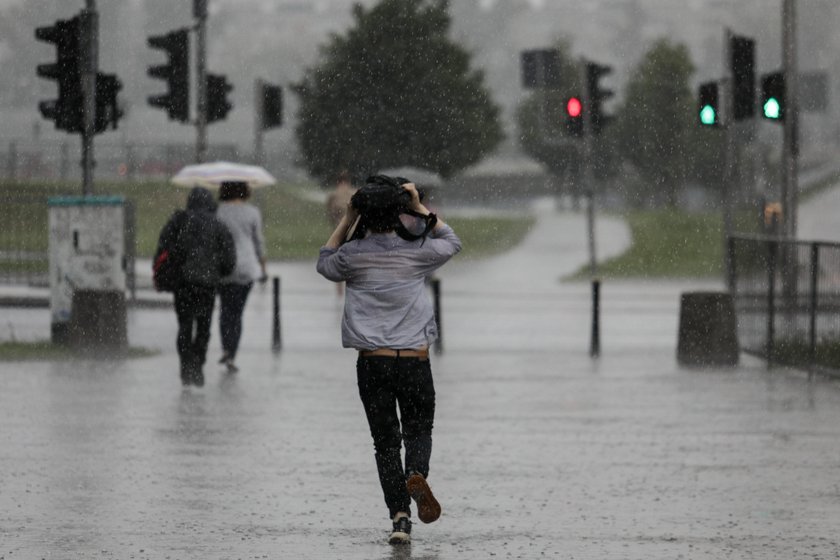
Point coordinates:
[[428, 508]]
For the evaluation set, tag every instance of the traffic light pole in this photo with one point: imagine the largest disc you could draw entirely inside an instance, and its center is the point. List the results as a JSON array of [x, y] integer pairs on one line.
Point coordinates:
[[587, 173], [90, 58], [200, 12], [589, 189], [790, 151], [729, 148]]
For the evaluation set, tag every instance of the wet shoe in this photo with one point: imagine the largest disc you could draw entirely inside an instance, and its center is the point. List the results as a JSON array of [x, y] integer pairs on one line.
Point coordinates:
[[428, 508], [402, 531]]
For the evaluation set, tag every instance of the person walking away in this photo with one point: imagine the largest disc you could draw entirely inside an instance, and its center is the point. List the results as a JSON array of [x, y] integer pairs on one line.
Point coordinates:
[[207, 254], [245, 224], [337, 202], [389, 319]]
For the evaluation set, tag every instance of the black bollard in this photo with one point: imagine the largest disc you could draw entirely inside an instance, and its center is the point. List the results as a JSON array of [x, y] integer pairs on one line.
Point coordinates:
[[595, 342], [436, 295], [276, 340]]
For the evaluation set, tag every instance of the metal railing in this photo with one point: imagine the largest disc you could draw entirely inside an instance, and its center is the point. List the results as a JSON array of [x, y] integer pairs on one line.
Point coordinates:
[[787, 298]]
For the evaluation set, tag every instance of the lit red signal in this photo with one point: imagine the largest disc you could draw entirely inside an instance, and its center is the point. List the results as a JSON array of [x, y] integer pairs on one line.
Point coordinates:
[[574, 107]]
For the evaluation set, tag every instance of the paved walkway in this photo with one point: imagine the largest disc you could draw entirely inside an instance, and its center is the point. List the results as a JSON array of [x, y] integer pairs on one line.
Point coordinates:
[[540, 452]]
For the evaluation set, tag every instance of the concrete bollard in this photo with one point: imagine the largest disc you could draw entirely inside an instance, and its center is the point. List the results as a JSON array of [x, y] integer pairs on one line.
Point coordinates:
[[708, 333], [98, 320]]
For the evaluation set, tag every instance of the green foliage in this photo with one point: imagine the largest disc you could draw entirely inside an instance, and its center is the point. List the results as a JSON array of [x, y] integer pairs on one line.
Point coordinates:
[[395, 91], [672, 244], [655, 127], [485, 236]]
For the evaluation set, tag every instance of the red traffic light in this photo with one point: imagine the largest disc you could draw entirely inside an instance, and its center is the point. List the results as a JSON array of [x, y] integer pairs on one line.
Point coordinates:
[[574, 107]]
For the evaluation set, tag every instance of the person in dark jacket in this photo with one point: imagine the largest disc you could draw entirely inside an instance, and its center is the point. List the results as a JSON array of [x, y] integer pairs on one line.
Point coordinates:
[[209, 254]]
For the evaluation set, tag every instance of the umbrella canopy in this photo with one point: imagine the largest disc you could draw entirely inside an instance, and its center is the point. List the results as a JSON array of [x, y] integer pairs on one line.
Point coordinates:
[[418, 176], [212, 175]]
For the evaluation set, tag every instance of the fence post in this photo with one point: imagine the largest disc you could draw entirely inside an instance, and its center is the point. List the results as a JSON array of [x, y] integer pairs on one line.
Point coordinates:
[[276, 339], [812, 327], [436, 295], [773, 247]]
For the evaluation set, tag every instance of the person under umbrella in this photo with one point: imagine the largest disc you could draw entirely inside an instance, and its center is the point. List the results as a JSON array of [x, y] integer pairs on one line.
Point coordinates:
[[245, 224]]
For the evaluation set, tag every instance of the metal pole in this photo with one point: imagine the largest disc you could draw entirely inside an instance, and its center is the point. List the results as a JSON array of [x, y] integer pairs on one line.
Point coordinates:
[[90, 65], [200, 12], [259, 99], [276, 339], [729, 149], [65, 161], [790, 187], [595, 343], [587, 171]]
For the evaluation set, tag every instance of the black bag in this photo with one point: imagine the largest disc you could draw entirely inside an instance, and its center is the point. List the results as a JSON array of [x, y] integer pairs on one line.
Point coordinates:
[[166, 268]]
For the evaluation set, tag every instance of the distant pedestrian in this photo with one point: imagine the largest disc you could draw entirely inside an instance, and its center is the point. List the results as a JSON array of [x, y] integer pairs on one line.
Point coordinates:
[[245, 224], [337, 202], [389, 319], [207, 253]]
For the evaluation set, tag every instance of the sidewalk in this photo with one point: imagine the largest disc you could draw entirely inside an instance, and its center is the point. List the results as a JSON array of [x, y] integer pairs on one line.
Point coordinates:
[[540, 452]]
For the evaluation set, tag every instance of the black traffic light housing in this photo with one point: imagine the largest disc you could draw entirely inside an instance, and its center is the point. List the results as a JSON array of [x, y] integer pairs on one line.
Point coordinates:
[[773, 96], [176, 101], [708, 104], [272, 106], [540, 68], [67, 109], [108, 111], [217, 104], [742, 52], [597, 95]]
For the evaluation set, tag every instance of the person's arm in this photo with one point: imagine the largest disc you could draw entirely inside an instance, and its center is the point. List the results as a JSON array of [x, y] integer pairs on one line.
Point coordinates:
[[442, 243], [418, 206]]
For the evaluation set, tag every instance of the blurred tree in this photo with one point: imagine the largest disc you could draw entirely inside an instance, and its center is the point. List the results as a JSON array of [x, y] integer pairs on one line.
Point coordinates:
[[655, 128], [395, 91]]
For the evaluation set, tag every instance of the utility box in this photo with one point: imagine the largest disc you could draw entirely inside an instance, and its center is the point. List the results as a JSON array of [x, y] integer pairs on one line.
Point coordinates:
[[87, 253]]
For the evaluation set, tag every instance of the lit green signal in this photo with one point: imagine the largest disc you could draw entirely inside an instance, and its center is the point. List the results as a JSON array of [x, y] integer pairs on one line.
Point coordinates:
[[708, 115], [772, 108]]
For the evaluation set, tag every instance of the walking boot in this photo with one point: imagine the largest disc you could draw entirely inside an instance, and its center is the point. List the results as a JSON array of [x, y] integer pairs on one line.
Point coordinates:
[[401, 533], [428, 508]]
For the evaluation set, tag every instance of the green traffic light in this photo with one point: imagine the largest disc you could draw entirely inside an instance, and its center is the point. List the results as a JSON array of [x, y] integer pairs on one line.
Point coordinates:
[[772, 108], [708, 115]]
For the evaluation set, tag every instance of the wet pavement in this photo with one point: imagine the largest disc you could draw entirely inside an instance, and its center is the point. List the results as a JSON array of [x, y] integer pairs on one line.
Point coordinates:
[[539, 451]]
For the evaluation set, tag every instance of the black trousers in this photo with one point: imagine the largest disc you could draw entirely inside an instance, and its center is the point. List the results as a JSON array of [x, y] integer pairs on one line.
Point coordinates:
[[232, 298], [387, 385], [194, 309]]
